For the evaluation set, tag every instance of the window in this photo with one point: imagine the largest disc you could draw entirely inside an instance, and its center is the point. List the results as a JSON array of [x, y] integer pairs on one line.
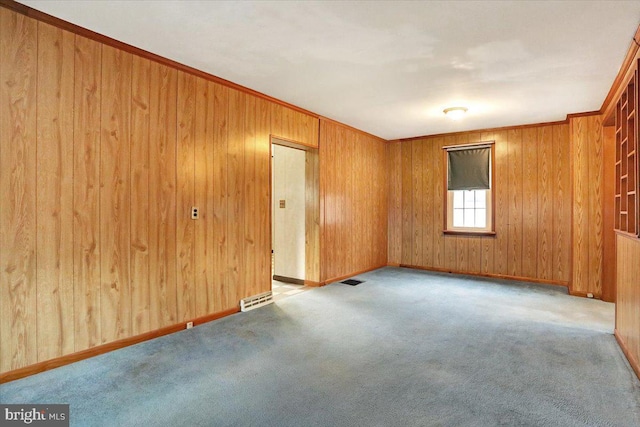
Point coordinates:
[[469, 196]]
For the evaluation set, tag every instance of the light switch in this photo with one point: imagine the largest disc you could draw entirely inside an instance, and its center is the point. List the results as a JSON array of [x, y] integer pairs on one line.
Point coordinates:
[[282, 204]]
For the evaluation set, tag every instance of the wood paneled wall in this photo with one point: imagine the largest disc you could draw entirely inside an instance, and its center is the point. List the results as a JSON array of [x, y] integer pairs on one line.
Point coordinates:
[[102, 155], [532, 206], [588, 215], [628, 298], [353, 201]]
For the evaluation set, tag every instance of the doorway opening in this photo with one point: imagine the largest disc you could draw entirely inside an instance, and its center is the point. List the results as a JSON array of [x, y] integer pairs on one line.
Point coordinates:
[[294, 217]]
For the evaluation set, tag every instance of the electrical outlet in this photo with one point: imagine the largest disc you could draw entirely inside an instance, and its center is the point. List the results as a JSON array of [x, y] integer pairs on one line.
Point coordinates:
[[194, 212], [189, 325]]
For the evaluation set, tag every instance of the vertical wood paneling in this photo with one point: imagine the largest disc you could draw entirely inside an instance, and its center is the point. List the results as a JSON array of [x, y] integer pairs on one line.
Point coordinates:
[[561, 242], [263, 204], [86, 193], [407, 203], [115, 301], [628, 295], [55, 192], [235, 187], [524, 206], [185, 195], [221, 292], [394, 159], [312, 216], [514, 260], [417, 202], [203, 199], [530, 228], [544, 263], [586, 157], [251, 210], [140, 208], [352, 204], [162, 196], [502, 203], [608, 222], [596, 231], [18, 43], [437, 164], [102, 155]]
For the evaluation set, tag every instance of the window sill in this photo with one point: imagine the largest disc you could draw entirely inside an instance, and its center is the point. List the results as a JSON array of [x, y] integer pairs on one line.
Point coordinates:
[[470, 233]]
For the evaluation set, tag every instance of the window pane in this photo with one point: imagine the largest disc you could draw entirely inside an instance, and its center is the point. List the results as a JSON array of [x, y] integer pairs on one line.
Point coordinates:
[[469, 219], [458, 217], [481, 198], [458, 199], [481, 218], [469, 199]]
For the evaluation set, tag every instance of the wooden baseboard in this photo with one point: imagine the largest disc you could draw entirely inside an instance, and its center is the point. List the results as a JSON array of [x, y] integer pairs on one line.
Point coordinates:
[[630, 357], [313, 284], [393, 264], [584, 294], [105, 348], [346, 276], [492, 275]]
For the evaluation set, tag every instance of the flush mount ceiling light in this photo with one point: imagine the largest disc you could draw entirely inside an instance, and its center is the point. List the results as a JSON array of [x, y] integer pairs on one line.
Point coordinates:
[[455, 113]]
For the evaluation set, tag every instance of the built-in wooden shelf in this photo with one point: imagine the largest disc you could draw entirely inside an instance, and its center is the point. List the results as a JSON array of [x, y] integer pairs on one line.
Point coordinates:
[[627, 212]]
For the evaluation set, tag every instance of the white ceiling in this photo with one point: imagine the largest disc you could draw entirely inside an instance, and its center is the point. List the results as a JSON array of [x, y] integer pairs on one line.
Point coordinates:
[[388, 68]]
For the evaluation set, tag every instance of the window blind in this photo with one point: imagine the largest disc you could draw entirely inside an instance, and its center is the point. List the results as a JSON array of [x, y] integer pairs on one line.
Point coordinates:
[[469, 169]]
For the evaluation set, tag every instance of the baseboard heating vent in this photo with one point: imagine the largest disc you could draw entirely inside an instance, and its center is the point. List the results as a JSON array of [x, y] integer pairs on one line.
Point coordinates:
[[256, 301]]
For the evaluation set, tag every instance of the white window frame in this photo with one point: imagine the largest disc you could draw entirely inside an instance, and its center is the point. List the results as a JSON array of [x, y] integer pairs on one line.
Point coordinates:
[[489, 228]]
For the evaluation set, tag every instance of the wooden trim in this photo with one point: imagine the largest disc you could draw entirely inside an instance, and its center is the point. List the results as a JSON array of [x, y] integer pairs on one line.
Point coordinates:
[[445, 192], [288, 280], [491, 275], [498, 129], [481, 144], [313, 284], [393, 264], [352, 128], [337, 279], [584, 294], [105, 348], [585, 114], [627, 235], [470, 233], [620, 82], [291, 143], [632, 360], [81, 31]]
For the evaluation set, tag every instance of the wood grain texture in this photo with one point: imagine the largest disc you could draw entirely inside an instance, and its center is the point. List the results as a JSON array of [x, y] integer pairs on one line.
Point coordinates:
[[55, 192], [293, 125], [185, 194], [586, 156], [162, 196], [352, 204], [251, 209], [221, 293], [628, 295], [18, 52], [522, 155], [140, 208], [115, 195], [514, 146], [608, 221], [263, 204], [545, 204], [235, 187], [86, 193], [394, 159], [562, 225], [203, 197], [312, 216], [530, 228]]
